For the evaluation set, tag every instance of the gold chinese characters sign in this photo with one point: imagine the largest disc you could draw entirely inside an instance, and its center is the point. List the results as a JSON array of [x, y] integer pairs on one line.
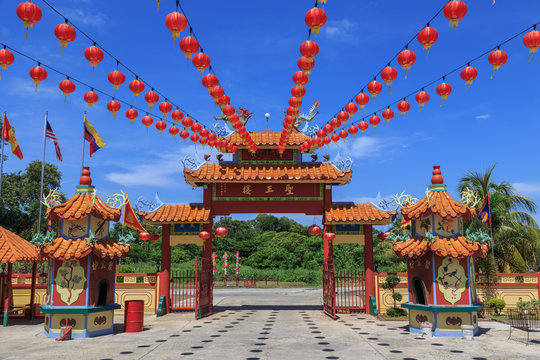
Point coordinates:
[[273, 191]]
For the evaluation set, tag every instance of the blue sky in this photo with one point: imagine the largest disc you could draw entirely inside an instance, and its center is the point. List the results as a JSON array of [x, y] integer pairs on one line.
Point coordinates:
[[253, 46]]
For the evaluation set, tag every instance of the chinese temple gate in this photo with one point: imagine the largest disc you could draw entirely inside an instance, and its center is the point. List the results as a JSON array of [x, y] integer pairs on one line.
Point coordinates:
[[266, 181]]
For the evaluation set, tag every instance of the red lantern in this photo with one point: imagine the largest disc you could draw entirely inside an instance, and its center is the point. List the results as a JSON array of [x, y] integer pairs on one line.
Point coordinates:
[[403, 107], [374, 88], [132, 114], [305, 65], [221, 231], [295, 102], [315, 19], [389, 74], [160, 126], [113, 106], [362, 125], [328, 236], [176, 22], [187, 122], [334, 138], [216, 93], [374, 121], [314, 230], [228, 110], [406, 58], [204, 133], [154, 238], [137, 86], [321, 133], [292, 111], [205, 235], [444, 90], [388, 114], [201, 61], [353, 130], [67, 87], [6, 59], [351, 109], [94, 55], [422, 98], [427, 37], [144, 236], [196, 128], [65, 33], [29, 13], [532, 41], [147, 121], [173, 130], [469, 74], [328, 128], [177, 115], [362, 99], [184, 135], [151, 98], [116, 78], [165, 108], [309, 49], [300, 78], [209, 81], [224, 100], [335, 123], [91, 98], [454, 11], [38, 74], [497, 58], [342, 116], [298, 91], [343, 134], [189, 46]]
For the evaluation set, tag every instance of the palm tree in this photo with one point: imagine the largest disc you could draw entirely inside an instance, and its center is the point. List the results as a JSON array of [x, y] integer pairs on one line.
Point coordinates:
[[515, 233]]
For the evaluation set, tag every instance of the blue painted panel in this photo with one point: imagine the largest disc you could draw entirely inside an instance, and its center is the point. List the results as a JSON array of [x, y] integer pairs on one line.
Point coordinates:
[[187, 227], [347, 227]]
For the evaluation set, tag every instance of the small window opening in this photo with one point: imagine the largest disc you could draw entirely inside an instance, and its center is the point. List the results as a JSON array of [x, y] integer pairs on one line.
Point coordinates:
[[419, 291]]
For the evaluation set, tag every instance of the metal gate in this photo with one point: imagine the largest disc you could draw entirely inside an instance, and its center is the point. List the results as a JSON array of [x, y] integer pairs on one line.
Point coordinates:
[[182, 291], [329, 290], [350, 291], [204, 284]]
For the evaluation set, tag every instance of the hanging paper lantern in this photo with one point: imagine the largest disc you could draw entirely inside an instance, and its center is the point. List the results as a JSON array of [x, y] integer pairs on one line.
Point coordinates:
[[328, 128], [300, 78], [203, 141], [201, 61], [216, 93], [389, 74], [189, 46], [388, 114], [116, 78], [351, 109], [94, 55], [295, 102], [209, 81], [205, 235], [469, 74], [406, 58], [160, 126], [353, 130], [321, 133], [292, 111], [6, 59], [343, 134], [532, 41], [165, 108], [144, 236], [362, 125], [362, 99], [221, 231], [187, 122], [342, 116], [91, 98], [204, 133], [314, 230], [374, 121], [454, 11], [38, 74], [403, 107], [147, 121], [305, 65], [196, 128], [309, 49], [315, 19], [334, 138], [422, 98], [151, 98], [224, 100], [184, 135], [65, 33], [113, 106], [228, 110], [497, 58], [67, 87], [444, 90], [177, 115], [374, 88], [328, 236], [427, 37], [298, 91], [29, 13], [137, 86], [132, 114], [176, 22], [335, 123]]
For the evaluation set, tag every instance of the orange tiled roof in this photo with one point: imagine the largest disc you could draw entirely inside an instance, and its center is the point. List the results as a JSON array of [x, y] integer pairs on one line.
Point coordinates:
[[81, 205], [15, 248], [357, 213], [440, 203], [457, 247], [75, 249], [268, 139], [321, 173], [177, 214]]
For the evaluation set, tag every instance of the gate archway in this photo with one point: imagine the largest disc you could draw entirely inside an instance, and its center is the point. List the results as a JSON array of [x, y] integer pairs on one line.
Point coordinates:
[[266, 181]]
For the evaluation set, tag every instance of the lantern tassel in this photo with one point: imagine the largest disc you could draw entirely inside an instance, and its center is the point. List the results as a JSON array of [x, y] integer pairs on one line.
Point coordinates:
[[468, 87], [93, 68], [26, 33], [390, 89], [157, 6], [421, 107], [494, 71], [63, 47], [406, 74], [36, 88], [455, 32], [532, 54], [0, 73], [187, 62], [135, 100], [442, 102], [65, 98]]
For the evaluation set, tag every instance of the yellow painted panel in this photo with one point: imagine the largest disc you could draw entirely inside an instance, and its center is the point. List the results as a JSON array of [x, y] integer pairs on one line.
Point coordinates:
[[453, 320], [419, 316], [349, 239], [186, 239], [76, 321], [100, 320], [125, 293]]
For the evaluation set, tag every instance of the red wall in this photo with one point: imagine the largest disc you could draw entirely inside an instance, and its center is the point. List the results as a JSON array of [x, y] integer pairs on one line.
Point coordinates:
[[465, 300], [81, 301], [417, 268], [101, 272]]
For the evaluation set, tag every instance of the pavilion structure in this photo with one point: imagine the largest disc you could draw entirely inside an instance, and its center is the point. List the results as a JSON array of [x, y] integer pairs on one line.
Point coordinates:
[[266, 181]]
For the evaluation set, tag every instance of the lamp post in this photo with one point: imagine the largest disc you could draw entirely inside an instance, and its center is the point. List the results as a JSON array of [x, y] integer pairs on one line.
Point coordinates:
[[158, 266], [3, 268]]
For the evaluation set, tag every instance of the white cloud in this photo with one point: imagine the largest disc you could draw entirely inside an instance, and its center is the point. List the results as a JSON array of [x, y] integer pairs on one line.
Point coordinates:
[[367, 146], [483, 116], [340, 30], [527, 188], [85, 17], [26, 87]]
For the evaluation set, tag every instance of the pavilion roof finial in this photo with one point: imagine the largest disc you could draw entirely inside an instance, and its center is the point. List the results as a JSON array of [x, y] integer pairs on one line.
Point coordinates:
[[437, 178]]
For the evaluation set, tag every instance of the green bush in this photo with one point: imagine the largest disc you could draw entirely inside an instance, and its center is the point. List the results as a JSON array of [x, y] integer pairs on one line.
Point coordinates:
[[533, 304], [397, 297], [396, 312], [496, 305]]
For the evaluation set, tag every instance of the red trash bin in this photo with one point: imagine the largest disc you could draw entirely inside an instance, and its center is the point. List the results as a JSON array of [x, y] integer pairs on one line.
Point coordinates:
[[133, 315]]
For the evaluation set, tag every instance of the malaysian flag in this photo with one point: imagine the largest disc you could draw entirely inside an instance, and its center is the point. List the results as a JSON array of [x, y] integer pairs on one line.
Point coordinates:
[[49, 134]]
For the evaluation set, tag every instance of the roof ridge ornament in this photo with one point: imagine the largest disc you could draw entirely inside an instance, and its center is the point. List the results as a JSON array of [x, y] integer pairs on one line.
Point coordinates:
[[192, 163], [342, 164], [222, 130]]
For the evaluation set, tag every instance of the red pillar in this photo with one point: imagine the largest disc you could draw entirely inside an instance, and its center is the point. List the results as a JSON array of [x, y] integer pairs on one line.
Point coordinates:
[[368, 264], [33, 289], [207, 254], [7, 287], [164, 275], [328, 245]]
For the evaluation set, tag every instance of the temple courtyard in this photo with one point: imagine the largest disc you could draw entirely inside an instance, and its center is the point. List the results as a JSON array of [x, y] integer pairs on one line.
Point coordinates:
[[266, 324]]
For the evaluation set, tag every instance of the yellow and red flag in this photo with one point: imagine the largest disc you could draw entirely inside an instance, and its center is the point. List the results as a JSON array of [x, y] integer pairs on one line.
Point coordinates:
[[9, 135], [130, 219]]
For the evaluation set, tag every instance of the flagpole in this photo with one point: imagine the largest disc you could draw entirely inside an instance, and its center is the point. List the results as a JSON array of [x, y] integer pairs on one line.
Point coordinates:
[[82, 162], [42, 168], [2, 160], [490, 227]]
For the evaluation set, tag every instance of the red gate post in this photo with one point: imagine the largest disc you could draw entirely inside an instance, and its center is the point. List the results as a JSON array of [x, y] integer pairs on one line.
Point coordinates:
[[368, 264], [33, 289], [7, 292], [164, 275]]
